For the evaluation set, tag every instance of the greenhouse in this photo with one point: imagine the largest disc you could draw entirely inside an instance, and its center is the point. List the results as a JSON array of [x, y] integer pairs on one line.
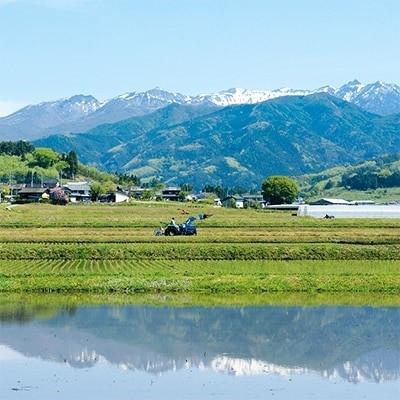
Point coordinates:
[[349, 211]]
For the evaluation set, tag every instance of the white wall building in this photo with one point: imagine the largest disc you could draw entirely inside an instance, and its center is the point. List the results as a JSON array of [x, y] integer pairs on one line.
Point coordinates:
[[349, 211], [121, 197]]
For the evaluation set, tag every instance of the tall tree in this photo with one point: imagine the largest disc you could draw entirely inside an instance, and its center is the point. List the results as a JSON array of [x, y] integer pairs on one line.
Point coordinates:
[[72, 160], [280, 190]]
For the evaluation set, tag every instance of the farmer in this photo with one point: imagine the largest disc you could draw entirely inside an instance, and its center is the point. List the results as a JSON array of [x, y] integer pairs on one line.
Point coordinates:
[[174, 223]]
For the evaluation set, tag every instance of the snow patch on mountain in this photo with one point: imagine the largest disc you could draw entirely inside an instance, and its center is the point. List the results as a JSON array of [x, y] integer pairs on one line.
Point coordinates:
[[244, 96]]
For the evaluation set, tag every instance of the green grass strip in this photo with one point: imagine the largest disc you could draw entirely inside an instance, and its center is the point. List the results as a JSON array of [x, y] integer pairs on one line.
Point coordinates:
[[186, 251], [200, 276]]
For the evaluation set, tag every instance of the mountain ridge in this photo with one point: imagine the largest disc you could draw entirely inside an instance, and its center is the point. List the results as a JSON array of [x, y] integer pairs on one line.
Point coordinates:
[[81, 113], [239, 144]]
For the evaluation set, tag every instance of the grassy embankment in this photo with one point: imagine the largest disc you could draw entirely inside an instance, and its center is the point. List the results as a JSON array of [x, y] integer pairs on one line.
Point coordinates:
[[108, 249]]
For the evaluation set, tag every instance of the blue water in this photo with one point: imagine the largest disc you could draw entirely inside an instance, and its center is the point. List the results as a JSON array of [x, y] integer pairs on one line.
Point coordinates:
[[144, 352]]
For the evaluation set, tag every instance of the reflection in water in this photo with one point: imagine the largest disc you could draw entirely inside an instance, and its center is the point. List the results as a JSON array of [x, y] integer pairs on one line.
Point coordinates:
[[357, 344]]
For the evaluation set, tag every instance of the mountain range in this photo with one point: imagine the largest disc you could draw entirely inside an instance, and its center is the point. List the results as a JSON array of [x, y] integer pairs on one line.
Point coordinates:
[[81, 113], [238, 144]]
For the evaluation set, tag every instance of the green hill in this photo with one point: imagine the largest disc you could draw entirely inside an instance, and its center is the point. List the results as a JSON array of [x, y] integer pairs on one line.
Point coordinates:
[[377, 179], [237, 145], [21, 162]]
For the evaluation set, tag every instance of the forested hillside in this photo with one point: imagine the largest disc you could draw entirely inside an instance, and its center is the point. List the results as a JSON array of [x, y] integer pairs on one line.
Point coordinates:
[[373, 179], [237, 145]]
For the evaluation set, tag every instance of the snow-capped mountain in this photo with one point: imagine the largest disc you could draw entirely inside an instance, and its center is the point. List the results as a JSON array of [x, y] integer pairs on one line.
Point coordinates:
[[80, 113], [33, 121], [131, 105], [244, 96], [152, 98], [379, 97]]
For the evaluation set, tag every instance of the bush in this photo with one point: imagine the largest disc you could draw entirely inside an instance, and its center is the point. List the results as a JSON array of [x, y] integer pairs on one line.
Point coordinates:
[[59, 197]]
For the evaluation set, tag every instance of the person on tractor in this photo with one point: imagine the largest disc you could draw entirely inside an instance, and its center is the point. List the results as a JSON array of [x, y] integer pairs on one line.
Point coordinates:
[[174, 224]]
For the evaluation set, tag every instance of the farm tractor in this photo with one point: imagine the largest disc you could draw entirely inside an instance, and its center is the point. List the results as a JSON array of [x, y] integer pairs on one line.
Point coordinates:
[[186, 228]]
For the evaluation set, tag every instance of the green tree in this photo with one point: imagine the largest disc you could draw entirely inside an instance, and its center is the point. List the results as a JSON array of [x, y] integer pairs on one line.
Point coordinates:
[[280, 190], [19, 148], [61, 166], [72, 160], [147, 194], [187, 187], [99, 188], [108, 187], [44, 158], [96, 189], [182, 195]]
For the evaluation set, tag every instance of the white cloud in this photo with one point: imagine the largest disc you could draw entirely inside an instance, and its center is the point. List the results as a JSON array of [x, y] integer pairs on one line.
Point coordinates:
[[8, 107]]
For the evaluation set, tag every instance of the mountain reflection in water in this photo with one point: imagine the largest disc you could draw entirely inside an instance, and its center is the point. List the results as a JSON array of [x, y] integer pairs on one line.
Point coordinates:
[[354, 343]]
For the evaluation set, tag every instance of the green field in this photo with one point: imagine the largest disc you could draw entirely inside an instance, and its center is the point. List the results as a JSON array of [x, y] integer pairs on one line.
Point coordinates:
[[135, 276], [112, 249]]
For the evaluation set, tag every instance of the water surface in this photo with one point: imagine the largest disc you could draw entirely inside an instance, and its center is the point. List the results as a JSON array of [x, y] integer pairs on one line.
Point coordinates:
[[161, 352]]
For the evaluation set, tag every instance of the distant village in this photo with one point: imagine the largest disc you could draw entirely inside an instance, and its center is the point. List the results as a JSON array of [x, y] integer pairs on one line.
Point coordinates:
[[53, 191]]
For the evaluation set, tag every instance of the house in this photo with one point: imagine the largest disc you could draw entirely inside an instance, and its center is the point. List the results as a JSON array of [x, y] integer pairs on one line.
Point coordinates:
[[120, 197], [32, 195], [50, 183], [115, 197], [137, 192], [78, 191], [253, 200], [329, 202], [241, 201], [171, 193], [217, 202], [233, 201], [14, 189], [191, 197]]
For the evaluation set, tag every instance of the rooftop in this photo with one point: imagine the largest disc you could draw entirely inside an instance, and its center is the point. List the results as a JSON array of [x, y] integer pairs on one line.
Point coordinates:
[[32, 190], [73, 186]]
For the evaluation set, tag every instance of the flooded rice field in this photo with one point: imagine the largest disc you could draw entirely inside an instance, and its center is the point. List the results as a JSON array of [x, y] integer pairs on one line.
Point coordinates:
[[196, 352]]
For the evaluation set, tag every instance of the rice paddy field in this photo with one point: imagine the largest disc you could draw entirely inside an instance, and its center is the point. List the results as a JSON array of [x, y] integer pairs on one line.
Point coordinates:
[[112, 249]]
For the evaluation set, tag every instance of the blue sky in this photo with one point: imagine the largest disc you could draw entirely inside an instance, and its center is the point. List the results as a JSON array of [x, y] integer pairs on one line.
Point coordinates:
[[57, 48]]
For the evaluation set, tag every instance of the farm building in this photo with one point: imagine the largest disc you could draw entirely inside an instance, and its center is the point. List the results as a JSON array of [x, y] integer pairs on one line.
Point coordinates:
[[235, 201], [137, 192], [287, 207], [254, 200], [217, 202], [14, 189], [171, 193], [349, 211], [115, 197], [329, 202], [32, 195], [78, 191], [242, 201]]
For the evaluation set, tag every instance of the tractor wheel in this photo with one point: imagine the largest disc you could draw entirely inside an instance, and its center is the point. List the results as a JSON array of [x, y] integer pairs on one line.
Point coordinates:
[[170, 232]]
